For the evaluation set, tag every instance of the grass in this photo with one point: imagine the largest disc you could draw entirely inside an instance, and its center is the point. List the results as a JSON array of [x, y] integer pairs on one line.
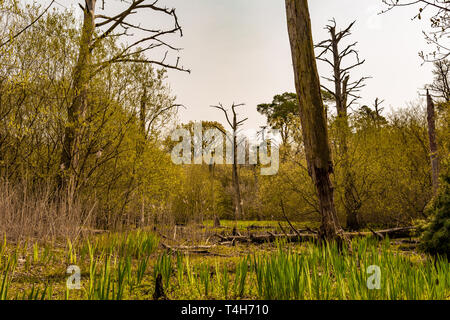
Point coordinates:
[[125, 266], [325, 273]]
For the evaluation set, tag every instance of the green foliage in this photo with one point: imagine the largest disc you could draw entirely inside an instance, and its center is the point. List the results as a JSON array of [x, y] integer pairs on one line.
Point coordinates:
[[280, 113], [125, 176], [436, 237], [164, 267], [6, 273], [325, 273], [285, 271], [282, 107]]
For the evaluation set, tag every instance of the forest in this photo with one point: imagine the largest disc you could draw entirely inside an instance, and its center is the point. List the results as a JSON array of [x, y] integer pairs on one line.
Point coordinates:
[[106, 195]]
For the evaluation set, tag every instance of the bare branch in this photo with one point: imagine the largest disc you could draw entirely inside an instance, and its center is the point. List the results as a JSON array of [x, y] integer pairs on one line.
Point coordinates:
[[28, 26]]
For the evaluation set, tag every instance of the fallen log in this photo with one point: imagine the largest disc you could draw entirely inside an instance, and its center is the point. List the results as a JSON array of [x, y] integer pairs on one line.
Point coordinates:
[[271, 237], [187, 248], [255, 226], [394, 233], [377, 235], [290, 237]]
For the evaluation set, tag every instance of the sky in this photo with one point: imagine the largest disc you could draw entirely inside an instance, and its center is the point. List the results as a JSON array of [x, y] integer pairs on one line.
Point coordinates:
[[238, 51]]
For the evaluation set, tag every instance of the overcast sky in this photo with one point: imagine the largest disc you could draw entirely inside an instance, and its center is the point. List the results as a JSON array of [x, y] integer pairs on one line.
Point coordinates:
[[238, 51]]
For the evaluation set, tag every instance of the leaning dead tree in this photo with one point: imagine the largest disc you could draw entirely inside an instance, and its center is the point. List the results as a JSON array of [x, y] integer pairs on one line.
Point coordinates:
[[434, 157], [345, 93], [96, 29], [235, 124], [312, 115]]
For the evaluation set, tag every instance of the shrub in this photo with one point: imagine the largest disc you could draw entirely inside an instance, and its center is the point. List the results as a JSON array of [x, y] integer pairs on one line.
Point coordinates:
[[436, 237]]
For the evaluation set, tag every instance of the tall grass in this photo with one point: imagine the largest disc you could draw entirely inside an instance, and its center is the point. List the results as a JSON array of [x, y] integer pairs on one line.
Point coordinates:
[[117, 267], [326, 273], [38, 214], [135, 244], [6, 274], [163, 266]]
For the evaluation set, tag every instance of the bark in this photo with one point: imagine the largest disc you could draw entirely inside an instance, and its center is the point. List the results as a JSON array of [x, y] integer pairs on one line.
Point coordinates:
[[143, 112], [433, 144], [213, 196], [234, 124], [341, 95], [258, 203], [237, 189], [312, 114], [76, 112], [344, 90]]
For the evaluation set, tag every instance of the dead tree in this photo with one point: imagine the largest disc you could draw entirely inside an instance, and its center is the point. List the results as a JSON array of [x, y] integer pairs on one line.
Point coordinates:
[[312, 115], [212, 167], [434, 158], [345, 94], [441, 84], [377, 107], [235, 124], [95, 29]]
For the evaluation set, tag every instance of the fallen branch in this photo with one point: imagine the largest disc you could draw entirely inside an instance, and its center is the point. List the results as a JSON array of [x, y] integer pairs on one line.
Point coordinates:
[[272, 237], [282, 229], [187, 248], [394, 233], [286, 218], [376, 234], [254, 227]]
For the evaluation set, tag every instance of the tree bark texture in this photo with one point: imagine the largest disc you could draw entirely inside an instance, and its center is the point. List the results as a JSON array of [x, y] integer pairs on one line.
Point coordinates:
[[434, 157], [312, 114], [76, 112]]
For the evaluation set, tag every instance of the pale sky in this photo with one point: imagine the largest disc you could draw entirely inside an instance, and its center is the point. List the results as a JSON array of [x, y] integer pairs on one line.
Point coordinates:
[[238, 51]]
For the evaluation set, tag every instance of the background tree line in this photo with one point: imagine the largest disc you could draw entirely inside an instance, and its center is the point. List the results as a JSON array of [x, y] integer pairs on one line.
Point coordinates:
[[85, 120]]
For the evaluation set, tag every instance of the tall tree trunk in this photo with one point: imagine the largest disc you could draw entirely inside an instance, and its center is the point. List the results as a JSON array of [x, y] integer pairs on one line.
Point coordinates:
[[76, 112], [237, 189], [351, 204], [343, 130], [143, 112], [312, 114], [343, 89], [213, 194], [256, 183], [434, 157]]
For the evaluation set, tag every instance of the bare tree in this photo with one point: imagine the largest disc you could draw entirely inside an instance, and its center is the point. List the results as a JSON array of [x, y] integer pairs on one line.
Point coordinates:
[[441, 84], [312, 114], [235, 124], [345, 94], [96, 29], [377, 107], [434, 157]]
